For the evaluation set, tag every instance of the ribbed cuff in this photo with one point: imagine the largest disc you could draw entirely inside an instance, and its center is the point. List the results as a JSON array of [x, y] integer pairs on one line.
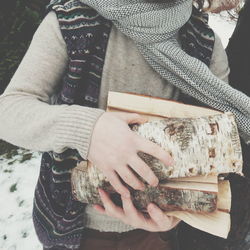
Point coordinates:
[[74, 128], [104, 223]]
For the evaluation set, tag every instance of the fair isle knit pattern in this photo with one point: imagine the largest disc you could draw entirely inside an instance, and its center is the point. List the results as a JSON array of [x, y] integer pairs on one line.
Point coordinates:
[[86, 35], [154, 27], [58, 218]]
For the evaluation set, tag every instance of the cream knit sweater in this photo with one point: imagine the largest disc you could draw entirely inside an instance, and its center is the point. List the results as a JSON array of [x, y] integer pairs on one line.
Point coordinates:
[[29, 120]]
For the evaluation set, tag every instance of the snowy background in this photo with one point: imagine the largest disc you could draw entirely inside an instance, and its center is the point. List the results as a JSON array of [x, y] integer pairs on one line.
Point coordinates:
[[19, 173], [223, 26]]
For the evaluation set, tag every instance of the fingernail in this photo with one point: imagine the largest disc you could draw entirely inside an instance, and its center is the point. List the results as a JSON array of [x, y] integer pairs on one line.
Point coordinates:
[[155, 183]]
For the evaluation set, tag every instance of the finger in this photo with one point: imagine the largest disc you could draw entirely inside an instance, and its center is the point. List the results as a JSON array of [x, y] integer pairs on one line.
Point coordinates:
[[110, 208], [157, 215], [132, 118], [136, 216], [142, 169], [117, 184], [175, 221], [129, 177], [163, 221], [155, 150], [99, 209], [128, 207], [138, 219], [132, 216]]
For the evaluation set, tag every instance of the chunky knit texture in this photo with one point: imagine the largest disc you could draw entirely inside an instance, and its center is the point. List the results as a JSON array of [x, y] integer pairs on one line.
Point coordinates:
[[153, 26]]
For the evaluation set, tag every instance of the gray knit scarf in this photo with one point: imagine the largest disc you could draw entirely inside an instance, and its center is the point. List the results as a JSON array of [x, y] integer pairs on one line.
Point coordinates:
[[154, 28]]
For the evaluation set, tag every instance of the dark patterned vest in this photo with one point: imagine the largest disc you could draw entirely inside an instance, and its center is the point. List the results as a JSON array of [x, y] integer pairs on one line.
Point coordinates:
[[58, 218]]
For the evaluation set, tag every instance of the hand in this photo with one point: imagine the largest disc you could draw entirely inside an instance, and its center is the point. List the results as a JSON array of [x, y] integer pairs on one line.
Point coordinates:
[[114, 147], [222, 5], [156, 222]]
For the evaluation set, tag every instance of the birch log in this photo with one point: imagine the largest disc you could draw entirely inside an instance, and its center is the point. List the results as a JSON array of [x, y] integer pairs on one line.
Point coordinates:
[[200, 146]]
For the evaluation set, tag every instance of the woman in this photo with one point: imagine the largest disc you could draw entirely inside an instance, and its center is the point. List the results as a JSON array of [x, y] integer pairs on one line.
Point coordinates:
[[75, 58]]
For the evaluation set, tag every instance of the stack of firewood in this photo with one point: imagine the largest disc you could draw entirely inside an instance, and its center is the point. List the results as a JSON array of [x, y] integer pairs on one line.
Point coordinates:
[[205, 146]]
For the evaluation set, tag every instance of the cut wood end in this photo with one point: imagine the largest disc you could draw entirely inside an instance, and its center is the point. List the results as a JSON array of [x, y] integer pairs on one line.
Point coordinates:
[[217, 223], [224, 196]]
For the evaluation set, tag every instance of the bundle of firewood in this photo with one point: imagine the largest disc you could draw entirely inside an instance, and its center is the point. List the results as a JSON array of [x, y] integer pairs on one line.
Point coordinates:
[[205, 146]]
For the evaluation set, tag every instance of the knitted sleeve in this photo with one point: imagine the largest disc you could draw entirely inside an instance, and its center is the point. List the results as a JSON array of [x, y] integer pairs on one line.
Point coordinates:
[[27, 119], [219, 61]]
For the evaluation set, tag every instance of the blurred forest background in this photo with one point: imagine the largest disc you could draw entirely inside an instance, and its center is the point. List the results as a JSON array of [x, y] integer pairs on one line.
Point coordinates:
[[18, 21]]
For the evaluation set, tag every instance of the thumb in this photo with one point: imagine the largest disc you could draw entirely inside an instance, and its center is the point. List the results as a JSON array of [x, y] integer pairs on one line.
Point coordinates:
[[131, 118]]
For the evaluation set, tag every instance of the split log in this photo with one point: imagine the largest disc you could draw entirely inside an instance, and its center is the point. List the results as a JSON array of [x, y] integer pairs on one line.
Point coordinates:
[[155, 107]]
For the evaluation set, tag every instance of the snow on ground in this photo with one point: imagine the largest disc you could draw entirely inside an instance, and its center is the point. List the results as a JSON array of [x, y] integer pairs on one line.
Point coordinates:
[[18, 179]]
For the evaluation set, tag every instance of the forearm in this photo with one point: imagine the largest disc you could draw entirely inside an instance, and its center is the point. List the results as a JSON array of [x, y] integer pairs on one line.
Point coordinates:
[[26, 117], [35, 125]]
